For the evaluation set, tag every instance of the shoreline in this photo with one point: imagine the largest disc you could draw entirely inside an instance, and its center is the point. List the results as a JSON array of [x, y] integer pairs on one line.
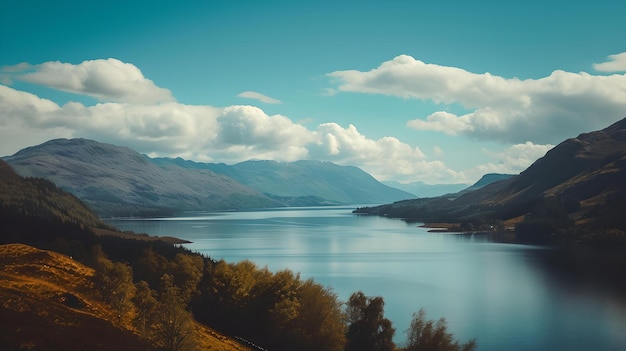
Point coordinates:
[[139, 236]]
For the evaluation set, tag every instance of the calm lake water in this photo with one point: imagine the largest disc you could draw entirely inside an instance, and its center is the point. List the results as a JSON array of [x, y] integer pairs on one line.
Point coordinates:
[[508, 296]]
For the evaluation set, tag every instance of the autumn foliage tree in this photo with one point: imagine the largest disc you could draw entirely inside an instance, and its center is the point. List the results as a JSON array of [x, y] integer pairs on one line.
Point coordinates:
[[115, 282], [428, 335], [368, 329], [173, 322], [146, 304], [278, 310]]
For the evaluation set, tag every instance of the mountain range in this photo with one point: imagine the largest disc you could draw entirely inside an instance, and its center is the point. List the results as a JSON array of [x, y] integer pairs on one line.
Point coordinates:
[[118, 181], [577, 189], [421, 189]]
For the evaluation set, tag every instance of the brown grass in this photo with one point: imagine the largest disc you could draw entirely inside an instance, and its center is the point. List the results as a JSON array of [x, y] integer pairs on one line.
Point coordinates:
[[48, 302]]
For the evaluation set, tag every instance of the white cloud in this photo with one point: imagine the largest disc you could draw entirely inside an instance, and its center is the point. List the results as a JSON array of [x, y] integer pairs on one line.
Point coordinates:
[[517, 158], [206, 133], [543, 110], [144, 117], [511, 160], [105, 80], [616, 63], [258, 96]]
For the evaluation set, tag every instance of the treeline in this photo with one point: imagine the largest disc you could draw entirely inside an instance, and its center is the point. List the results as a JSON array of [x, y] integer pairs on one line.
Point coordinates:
[[160, 297], [40, 198]]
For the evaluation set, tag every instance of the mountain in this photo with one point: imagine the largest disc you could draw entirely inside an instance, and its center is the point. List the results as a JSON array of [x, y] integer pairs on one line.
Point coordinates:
[[101, 291], [308, 182], [488, 179], [421, 189], [117, 181], [577, 189]]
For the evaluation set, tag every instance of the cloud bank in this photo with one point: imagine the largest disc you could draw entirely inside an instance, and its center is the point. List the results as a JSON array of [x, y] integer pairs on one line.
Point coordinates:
[[544, 110], [155, 124], [230, 134]]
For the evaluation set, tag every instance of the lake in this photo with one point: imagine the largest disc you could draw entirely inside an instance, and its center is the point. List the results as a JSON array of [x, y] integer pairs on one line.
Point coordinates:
[[508, 296]]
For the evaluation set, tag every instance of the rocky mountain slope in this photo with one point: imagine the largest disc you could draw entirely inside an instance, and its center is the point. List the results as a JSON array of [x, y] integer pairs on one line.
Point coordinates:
[[578, 188]]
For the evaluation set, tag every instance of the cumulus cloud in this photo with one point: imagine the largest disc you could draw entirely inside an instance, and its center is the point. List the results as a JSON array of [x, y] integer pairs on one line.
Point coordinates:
[[518, 157], [205, 133], [137, 114], [258, 96], [105, 80], [616, 63], [511, 110]]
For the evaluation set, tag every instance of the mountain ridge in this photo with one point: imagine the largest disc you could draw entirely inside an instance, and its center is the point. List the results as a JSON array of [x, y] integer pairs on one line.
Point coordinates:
[[118, 181], [578, 190]]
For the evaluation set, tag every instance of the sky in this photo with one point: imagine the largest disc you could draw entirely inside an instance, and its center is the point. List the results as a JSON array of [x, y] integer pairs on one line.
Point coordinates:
[[434, 91]]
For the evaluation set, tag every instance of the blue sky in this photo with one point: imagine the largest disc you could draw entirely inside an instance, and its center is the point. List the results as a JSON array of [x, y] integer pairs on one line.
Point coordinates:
[[433, 91]]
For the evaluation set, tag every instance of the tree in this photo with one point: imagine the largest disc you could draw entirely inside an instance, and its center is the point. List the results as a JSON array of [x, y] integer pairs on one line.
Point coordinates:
[[428, 335], [115, 282], [174, 325], [187, 272], [368, 330], [150, 267], [320, 320], [146, 305]]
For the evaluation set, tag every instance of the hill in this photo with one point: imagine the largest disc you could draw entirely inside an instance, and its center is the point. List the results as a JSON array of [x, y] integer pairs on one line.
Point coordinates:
[[578, 189], [303, 183], [48, 302], [421, 189], [117, 181], [488, 179]]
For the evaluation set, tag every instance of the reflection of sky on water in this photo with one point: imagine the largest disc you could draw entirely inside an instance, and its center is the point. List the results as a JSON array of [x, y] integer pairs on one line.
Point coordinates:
[[503, 294]]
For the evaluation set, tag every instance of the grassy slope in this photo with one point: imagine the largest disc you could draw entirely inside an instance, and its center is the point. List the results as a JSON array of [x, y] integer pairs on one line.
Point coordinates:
[[47, 302]]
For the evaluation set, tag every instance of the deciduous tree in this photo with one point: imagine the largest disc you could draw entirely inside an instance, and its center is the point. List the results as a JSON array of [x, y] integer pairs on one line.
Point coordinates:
[[368, 330], [146, 305], [428, 335], [174, 324]]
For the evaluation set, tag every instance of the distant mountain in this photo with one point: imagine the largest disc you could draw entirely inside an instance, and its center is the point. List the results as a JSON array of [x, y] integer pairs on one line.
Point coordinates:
[[577, 189], [302, 182], [421, 189], [118, 181], [488, 179]]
